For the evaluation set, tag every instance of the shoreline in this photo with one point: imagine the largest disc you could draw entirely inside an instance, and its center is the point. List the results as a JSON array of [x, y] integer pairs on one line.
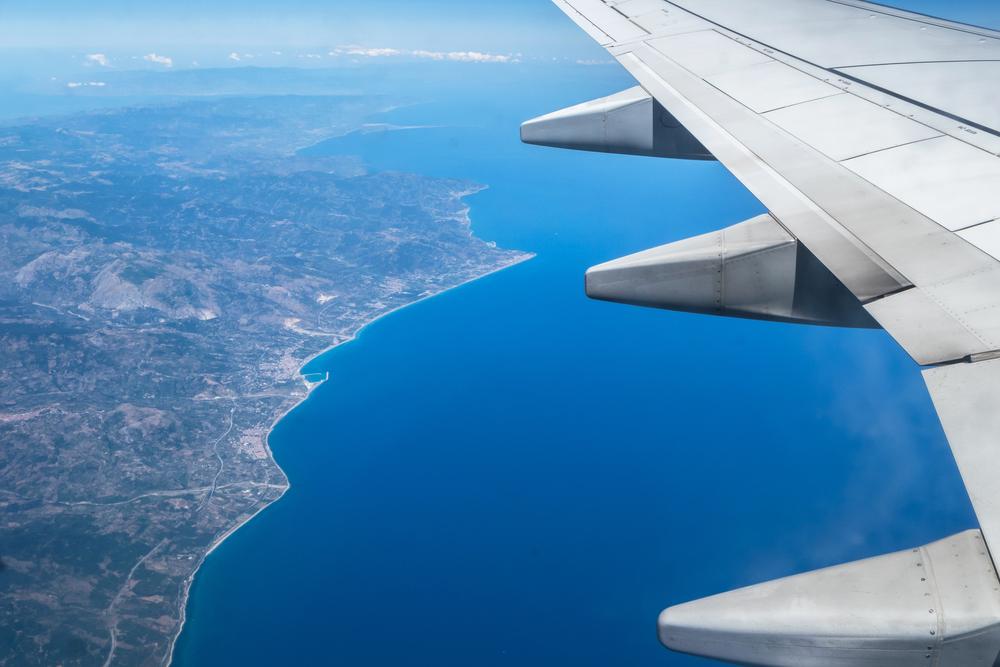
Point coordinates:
[[310, 387]]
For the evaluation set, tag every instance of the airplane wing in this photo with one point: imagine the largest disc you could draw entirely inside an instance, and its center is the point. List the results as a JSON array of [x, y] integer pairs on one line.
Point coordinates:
[[872, 136]]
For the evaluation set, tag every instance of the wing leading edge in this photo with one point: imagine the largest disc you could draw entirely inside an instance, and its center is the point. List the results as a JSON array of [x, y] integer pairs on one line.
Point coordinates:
[[872, 136]]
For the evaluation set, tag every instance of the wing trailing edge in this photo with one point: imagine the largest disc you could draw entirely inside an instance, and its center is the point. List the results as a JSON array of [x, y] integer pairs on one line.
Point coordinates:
[[967, 399]]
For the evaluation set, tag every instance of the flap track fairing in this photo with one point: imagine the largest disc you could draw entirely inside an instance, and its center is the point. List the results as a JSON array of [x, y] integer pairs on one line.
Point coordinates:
[[755, 270], [936, 605], [630, 122]]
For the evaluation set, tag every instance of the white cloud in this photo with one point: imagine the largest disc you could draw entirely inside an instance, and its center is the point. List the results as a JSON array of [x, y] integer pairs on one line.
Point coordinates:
[[235, 56], [370, 53], [466, 56], [86, 84], [97, 59], [456, 56], [595, 62], [166, 61]]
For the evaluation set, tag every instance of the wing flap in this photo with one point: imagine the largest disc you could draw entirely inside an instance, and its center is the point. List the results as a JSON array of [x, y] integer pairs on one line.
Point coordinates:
[[967, 89], [949, 181], [707, 52], [771, 86], [985, 237], [923, 328], [846, 126], [967, 399]]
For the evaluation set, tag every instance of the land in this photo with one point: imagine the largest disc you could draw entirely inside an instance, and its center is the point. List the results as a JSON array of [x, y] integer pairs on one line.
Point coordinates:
[[164, 273]]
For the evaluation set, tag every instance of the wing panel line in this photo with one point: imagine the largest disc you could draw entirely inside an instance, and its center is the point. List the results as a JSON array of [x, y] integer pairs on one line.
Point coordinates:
[[880, 228], [885, 91], [861, 270]]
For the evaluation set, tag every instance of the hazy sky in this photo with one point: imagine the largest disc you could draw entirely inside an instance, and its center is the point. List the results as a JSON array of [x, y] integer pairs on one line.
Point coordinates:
[[187, 33], [507, 25], [445, 24]]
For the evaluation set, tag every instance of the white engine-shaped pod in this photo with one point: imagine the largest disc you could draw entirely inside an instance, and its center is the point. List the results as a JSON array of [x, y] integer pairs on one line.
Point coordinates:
[[938, 606], [629, 122], [755, 270]]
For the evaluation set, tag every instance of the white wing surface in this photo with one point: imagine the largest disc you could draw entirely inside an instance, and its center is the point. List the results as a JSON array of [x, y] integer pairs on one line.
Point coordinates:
[[872, 135]]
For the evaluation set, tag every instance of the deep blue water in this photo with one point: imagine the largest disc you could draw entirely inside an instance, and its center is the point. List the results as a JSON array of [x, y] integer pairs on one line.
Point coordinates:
[[510, 474]]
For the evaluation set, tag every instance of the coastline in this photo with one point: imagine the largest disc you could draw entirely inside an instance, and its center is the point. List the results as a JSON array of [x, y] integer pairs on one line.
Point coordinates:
[[310, 387]]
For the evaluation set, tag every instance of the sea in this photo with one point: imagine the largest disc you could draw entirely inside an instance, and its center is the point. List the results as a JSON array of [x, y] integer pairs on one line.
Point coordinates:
[[509, 473]]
